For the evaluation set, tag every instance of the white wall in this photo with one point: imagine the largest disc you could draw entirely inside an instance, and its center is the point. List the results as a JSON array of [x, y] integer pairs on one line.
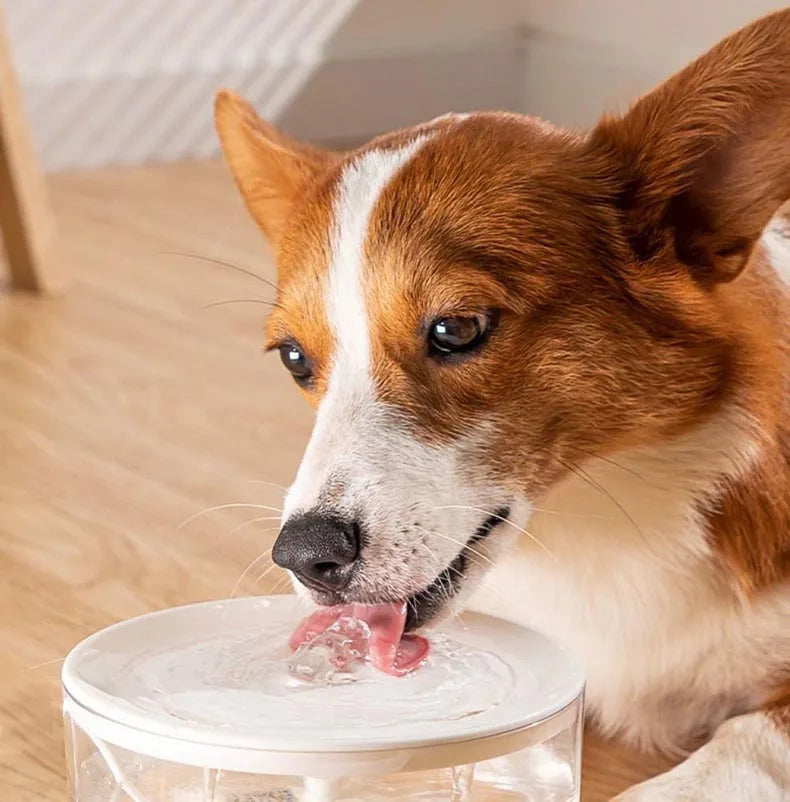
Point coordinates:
[[585, 57], [132, 80], [109, 81], [127, 81]]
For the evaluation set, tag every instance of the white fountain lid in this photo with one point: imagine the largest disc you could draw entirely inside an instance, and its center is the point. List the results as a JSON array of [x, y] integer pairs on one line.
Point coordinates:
[[207, 685]]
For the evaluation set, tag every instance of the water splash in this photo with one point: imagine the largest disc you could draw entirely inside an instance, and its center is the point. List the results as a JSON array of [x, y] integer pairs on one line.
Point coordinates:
[[462, 783], [329, 658]]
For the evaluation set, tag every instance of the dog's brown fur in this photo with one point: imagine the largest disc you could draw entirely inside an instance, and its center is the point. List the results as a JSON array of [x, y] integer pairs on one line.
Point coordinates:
[[633, 301]]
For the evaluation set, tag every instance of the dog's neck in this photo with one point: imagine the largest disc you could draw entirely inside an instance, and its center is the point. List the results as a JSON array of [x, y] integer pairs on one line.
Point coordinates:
[[631, 579], [647, 501]]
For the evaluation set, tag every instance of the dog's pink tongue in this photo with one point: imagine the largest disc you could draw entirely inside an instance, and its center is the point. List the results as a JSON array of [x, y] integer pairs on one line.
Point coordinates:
[[388, 648]]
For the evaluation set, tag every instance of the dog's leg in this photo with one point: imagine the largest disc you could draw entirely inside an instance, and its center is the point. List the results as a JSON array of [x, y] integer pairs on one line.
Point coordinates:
[[748, 760]]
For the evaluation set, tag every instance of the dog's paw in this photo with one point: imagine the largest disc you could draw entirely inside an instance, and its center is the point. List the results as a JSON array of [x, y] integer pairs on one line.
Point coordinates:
[[668, 788], [747, 761]]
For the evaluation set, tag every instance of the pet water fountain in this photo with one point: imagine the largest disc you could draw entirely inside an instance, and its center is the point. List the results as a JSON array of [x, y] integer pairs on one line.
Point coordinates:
[[206, 703]]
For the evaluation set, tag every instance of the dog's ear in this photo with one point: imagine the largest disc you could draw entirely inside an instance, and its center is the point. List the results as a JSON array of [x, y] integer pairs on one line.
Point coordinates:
[[703, 161], [270, 168]]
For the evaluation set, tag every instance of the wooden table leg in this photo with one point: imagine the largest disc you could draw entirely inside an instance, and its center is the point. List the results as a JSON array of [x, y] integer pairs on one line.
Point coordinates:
[[26, 218]]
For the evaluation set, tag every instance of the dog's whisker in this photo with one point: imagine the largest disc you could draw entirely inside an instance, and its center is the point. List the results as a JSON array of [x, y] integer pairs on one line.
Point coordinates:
[[227, 507], [504, 520], [262, 556], [280, 584], [533, 538], [614, 464], [258, 579], [227, 301], [451, 604], [471, 549], [431, 553], [252, 521], [585, 477], [269, 484], [410, 605], [443, 591], [222, 263], [533, 509]]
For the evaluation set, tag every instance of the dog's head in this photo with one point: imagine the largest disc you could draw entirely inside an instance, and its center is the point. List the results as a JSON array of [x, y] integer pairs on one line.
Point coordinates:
[[476, 305]]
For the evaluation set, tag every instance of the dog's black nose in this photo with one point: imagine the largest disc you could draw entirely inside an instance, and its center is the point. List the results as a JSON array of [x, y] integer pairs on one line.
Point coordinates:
[[321, 550]]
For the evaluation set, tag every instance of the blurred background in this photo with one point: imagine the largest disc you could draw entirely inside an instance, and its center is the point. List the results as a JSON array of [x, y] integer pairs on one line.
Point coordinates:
[[130, 81]]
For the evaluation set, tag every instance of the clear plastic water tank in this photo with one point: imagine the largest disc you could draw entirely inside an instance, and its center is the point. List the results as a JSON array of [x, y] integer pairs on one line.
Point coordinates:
[[197, 704]]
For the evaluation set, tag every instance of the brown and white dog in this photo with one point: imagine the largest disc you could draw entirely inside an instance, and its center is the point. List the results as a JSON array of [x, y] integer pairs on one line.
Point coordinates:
[[567, 356]]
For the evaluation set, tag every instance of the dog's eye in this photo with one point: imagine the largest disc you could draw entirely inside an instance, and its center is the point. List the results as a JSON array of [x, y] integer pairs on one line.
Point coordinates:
[[294, 359], [455, 335]]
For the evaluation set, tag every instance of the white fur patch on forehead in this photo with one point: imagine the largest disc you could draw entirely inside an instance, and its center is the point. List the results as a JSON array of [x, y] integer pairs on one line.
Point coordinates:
[[349, 400], [450, 117], [361, 185]]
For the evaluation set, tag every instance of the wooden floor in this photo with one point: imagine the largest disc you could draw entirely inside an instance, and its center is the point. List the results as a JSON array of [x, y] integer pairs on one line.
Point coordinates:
[[127, 406]]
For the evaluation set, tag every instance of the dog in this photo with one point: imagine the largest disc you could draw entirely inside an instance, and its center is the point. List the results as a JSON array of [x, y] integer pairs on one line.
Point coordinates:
[[552, 380]]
